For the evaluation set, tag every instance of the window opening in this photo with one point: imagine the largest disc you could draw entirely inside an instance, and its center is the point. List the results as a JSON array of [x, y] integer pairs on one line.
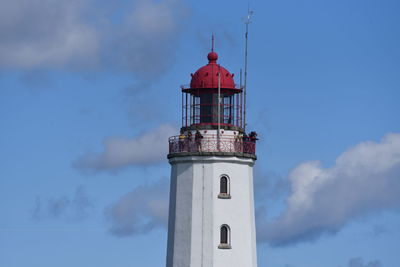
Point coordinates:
[[224, 188], [224, 237]]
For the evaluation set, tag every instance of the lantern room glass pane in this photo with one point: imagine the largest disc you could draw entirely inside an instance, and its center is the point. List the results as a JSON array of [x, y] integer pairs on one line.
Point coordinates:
[[202, 108], [206, 108]]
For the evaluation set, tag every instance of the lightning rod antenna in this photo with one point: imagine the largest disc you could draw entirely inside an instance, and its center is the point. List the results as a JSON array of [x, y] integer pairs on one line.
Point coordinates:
[[247, 22]]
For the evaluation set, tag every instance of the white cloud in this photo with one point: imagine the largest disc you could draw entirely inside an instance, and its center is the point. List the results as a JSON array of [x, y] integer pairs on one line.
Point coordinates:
[[141, 210], [154, 17], [146, 42], [365, 179], [139, 38], [45, 33], [150, 147]]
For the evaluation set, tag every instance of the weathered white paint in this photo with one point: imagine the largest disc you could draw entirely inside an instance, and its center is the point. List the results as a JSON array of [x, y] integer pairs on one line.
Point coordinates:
[[196, 213]]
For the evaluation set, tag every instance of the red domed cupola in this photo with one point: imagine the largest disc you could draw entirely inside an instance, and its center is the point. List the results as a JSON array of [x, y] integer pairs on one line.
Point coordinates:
[[212, 100], [207, 76]]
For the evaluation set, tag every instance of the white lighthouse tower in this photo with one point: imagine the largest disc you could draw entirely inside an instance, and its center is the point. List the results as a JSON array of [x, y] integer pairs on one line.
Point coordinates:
[[211, 209]]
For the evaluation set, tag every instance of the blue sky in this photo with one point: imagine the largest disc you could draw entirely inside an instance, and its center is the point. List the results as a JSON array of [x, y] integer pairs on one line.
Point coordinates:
[[89, 94]]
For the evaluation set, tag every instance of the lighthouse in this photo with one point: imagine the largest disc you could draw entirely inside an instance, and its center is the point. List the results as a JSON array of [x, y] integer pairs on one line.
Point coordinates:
[[211, 207]]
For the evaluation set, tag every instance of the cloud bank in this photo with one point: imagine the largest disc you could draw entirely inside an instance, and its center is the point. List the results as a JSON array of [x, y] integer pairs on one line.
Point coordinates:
[[364, 180], [140, 211], [138, 36], [147, 39], [119, 152], [45, 33]]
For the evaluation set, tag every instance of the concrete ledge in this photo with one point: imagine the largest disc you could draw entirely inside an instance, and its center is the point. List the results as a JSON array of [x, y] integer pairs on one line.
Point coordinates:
[[224, 246], [213, 127], [224, 196], [223, 154]]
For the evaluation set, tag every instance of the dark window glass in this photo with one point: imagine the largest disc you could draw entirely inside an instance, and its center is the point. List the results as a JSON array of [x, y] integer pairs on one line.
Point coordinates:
[[224, 185], [224, 235]]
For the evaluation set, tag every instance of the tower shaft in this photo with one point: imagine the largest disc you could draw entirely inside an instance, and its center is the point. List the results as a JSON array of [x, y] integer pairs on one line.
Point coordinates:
[[199, 211]]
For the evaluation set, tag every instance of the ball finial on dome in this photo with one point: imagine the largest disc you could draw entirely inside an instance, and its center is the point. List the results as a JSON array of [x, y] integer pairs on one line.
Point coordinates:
[[212, 57]]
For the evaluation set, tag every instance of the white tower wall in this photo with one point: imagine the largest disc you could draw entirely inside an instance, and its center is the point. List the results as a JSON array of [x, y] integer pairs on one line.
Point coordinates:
[[197, 213]]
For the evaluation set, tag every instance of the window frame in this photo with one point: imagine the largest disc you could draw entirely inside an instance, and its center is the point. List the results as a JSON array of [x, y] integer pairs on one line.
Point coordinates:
[[225, 245], [226, 195]]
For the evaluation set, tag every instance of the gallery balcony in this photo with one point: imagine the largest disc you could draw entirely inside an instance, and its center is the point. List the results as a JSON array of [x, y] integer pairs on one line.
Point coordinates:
[[211, 145]]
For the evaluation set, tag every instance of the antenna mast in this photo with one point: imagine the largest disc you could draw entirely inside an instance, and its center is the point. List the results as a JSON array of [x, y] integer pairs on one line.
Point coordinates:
[[212, 43], [247, 22]]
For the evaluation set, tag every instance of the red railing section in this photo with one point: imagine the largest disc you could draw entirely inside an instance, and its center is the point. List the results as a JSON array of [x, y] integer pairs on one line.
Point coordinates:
[[211, 143]]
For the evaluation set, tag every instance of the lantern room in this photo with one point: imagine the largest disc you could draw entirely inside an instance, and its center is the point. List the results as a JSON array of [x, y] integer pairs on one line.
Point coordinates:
[[212, 100]]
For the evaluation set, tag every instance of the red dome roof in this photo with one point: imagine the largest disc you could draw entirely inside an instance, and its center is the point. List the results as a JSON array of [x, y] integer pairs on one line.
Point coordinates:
[[207, 76]]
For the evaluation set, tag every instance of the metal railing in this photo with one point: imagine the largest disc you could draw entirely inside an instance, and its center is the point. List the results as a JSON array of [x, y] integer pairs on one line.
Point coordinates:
[[210, 143], [187, 86]]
